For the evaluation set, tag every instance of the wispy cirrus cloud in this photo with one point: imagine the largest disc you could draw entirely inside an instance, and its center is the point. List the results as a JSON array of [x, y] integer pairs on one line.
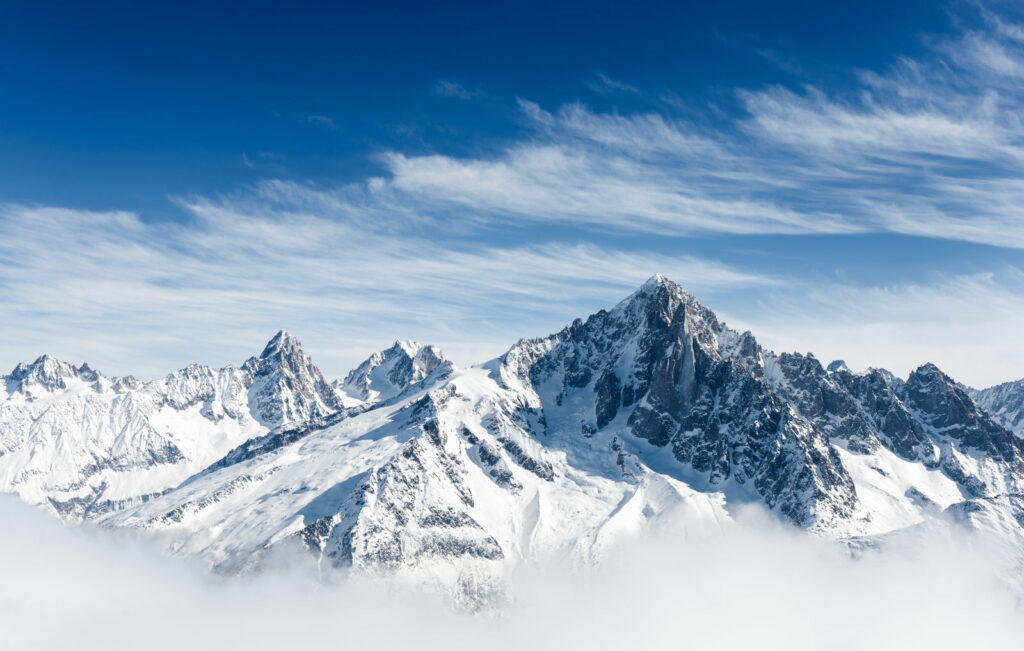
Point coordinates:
[[322, 121], [930, 147], [445, 88], [558, 184], [132, 296], [604, 84], [643, 173]]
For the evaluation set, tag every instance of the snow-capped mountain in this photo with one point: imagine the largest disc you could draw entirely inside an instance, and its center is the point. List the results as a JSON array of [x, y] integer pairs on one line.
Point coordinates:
[[85, 444], [564, 444], [387, 373], [828, 450], [1005, 402]]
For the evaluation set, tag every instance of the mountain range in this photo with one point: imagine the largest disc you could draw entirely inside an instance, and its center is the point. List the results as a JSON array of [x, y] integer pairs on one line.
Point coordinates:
[[437, 475]]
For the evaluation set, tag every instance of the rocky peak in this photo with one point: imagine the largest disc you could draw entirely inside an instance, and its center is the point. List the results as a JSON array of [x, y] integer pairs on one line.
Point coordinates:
[[46, 372], [283, 353], [663, 367], [659, 329], [927, 373], [946, 406], [658, 298], [183, 388], [283, 348], [87, 373], [937, 395], [125, 383], [388, 372], [286, 386], [658, 284], [837, 365]]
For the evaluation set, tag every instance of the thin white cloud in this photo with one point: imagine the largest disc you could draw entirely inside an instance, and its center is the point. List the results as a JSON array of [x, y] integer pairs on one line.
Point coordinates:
[[847, 133], [605, 84], [322, 121], [454, 89], [644, 134], [562, 184]]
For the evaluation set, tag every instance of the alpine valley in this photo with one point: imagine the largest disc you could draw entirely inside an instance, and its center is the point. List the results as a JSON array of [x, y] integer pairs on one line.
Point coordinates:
[[451, 477]]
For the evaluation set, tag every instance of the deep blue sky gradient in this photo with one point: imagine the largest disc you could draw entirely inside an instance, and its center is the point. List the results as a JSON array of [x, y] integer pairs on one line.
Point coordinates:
[[116, 105]]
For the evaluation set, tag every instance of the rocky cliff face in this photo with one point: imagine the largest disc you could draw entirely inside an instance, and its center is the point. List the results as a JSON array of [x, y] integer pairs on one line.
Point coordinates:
[[286, 387], [1005, 402], [663, 367]]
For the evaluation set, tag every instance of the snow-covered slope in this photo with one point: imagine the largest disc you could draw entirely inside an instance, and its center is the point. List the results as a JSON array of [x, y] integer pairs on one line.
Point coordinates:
[[449, 486], [82, 443], [559, 447], [1005, 402]]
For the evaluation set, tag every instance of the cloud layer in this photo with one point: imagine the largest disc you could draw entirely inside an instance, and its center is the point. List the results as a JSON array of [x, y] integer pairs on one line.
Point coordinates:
[[757, 585]]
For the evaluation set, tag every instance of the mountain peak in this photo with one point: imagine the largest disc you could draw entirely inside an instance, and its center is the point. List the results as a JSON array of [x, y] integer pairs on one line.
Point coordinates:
[[1005, 402], [389, 372], [659, 298], [927, 371], [655, 280], [46, 362], [282, 341], [659, 282], [837, 365], [287, 386], [659, 285], [47, 365], [283, 353], [408, 346], [46, 371]]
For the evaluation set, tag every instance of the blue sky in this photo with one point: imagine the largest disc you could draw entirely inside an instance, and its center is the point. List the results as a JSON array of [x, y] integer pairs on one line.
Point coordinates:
[[178, 181]]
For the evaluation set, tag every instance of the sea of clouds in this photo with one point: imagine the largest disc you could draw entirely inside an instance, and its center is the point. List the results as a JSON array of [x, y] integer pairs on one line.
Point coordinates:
[[755, 585]]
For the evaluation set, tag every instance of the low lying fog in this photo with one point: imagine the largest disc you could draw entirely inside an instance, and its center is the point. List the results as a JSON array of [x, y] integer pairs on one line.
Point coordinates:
[[758, 586]]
